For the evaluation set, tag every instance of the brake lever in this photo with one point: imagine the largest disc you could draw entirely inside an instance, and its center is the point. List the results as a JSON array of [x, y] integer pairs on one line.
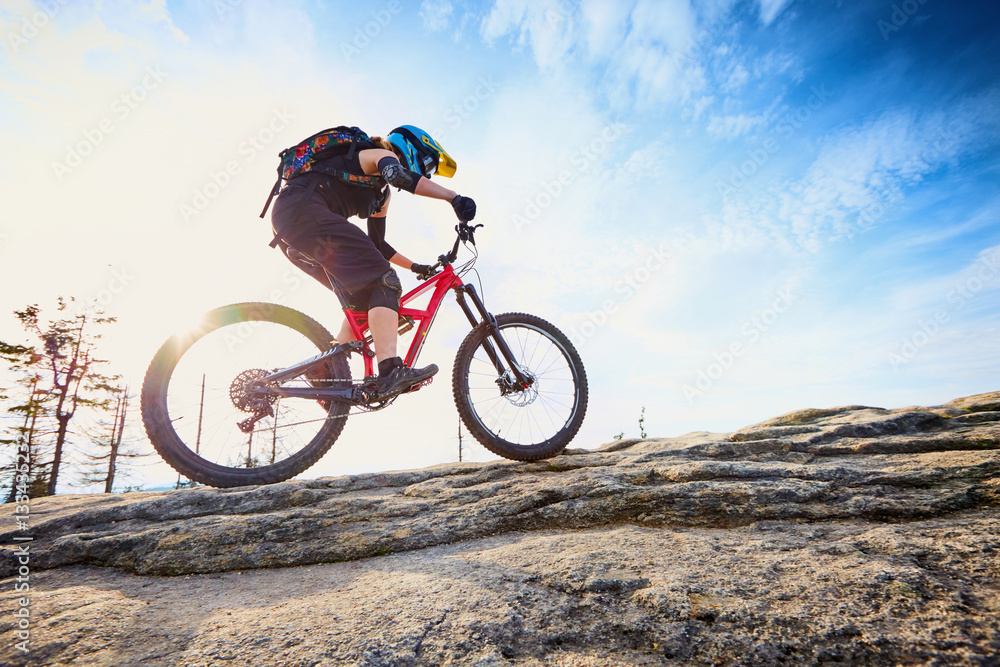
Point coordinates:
[[466, 232]]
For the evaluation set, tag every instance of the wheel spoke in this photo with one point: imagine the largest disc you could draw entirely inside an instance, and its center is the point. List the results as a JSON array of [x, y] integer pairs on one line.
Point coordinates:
[[201, 387], [516, 423]]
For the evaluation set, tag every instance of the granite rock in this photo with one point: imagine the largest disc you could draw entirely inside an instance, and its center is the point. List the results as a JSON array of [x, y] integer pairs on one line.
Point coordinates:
[[851, 535]]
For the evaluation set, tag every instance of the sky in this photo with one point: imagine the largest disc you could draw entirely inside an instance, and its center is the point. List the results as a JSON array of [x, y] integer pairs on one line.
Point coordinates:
[[734, 208]]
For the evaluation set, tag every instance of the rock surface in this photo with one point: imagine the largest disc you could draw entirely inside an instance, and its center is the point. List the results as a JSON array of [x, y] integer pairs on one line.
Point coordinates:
[[850, 535]]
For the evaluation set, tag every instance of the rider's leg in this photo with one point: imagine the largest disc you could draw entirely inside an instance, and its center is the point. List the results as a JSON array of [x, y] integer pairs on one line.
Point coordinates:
[[345, 335], [383, 323]]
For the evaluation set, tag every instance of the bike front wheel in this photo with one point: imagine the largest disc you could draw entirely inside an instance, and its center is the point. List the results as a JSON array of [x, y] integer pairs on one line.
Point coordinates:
[[515, 421], [204, 415]]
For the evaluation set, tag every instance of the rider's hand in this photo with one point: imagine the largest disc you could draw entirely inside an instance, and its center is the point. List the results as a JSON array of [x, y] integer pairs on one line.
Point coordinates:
[[464, 207], [423, 271]]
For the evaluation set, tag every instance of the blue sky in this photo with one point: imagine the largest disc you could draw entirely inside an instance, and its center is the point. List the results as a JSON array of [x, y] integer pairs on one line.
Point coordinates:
[[736, 209]]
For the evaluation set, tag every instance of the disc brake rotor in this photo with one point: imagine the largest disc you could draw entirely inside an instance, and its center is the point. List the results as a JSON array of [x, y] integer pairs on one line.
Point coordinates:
[[515, 394]]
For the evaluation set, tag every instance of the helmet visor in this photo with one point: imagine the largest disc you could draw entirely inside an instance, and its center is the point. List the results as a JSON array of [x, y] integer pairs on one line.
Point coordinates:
[[446, 166]]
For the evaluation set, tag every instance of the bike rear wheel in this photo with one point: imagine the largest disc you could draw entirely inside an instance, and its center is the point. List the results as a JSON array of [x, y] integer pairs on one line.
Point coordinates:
[[521, 423], [198, 389]]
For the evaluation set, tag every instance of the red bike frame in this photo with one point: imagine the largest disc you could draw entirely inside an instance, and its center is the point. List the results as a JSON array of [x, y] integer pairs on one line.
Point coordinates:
[[441, 283]]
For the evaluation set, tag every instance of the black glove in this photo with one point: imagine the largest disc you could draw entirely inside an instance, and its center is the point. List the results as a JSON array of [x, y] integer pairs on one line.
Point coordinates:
[[423, 271], [464, 207]]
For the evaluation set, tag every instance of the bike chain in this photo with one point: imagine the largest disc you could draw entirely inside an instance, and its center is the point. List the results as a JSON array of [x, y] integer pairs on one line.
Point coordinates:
[[361, 410]]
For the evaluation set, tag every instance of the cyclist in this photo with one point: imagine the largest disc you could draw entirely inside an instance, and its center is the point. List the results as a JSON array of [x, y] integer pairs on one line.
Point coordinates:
[[311, 215]]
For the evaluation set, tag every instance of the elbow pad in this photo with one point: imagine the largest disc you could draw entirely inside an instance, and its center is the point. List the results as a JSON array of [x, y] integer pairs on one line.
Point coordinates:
[[397, 175]]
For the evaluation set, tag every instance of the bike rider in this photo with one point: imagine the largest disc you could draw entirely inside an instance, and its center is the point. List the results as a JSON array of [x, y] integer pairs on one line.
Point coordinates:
[[311, 215]]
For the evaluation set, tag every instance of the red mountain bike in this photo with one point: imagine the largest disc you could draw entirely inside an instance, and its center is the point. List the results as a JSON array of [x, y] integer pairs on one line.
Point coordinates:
[[239, 400]]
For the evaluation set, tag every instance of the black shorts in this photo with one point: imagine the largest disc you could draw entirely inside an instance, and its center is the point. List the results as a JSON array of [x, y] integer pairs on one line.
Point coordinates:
[[309, 225]]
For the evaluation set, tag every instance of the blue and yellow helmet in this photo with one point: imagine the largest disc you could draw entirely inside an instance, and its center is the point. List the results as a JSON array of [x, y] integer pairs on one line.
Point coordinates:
[[423, 155]]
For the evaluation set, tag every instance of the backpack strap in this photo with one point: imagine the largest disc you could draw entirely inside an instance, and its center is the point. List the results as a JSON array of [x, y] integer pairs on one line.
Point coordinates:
[[358, 139], [356, 135], [274, 191], [373, 182]]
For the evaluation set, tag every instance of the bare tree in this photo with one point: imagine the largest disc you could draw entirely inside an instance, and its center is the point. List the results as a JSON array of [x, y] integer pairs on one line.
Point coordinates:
[[115, 455], [68, 370], [23, 443]]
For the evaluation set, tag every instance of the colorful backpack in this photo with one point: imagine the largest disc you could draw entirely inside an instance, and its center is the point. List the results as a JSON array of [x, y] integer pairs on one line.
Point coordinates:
[[308, 156]]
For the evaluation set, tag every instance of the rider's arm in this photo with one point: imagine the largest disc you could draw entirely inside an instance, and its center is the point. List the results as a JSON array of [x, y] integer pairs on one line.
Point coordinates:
[[380, 161], [377, 161], [376, 232], [428, 188]]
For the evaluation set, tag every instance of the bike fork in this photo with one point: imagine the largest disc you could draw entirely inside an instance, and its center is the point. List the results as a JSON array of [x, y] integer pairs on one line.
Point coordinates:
[[491, 322]]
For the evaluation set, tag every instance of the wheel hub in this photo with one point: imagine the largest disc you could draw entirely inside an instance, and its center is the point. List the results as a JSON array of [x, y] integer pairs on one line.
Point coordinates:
[[247, 392], [517, 394]]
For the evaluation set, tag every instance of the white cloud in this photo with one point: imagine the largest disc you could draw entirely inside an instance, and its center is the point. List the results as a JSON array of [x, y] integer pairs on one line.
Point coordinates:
[[954, 291], [699, 106], [436, 14], [733, 127], [644, 52], [644, 42], [738, 75], [547, 26], [985, 218], [859, 176], [769, 9], [157, 10], [605, 23]]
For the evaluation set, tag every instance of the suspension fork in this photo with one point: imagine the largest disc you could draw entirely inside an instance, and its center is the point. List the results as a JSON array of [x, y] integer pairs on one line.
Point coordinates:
[[491, 322]]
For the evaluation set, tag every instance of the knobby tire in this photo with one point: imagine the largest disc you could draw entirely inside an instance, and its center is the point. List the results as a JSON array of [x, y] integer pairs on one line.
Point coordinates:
[[180, 455], [553, 416]]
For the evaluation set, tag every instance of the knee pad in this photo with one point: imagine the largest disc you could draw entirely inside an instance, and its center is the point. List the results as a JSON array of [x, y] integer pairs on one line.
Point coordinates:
[[386, 292]]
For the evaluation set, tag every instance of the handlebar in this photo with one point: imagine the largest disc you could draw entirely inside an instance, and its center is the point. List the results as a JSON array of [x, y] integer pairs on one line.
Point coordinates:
[[466, 233]]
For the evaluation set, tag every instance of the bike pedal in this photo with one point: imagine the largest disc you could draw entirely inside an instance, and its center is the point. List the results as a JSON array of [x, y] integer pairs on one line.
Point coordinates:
[[419, 385]]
